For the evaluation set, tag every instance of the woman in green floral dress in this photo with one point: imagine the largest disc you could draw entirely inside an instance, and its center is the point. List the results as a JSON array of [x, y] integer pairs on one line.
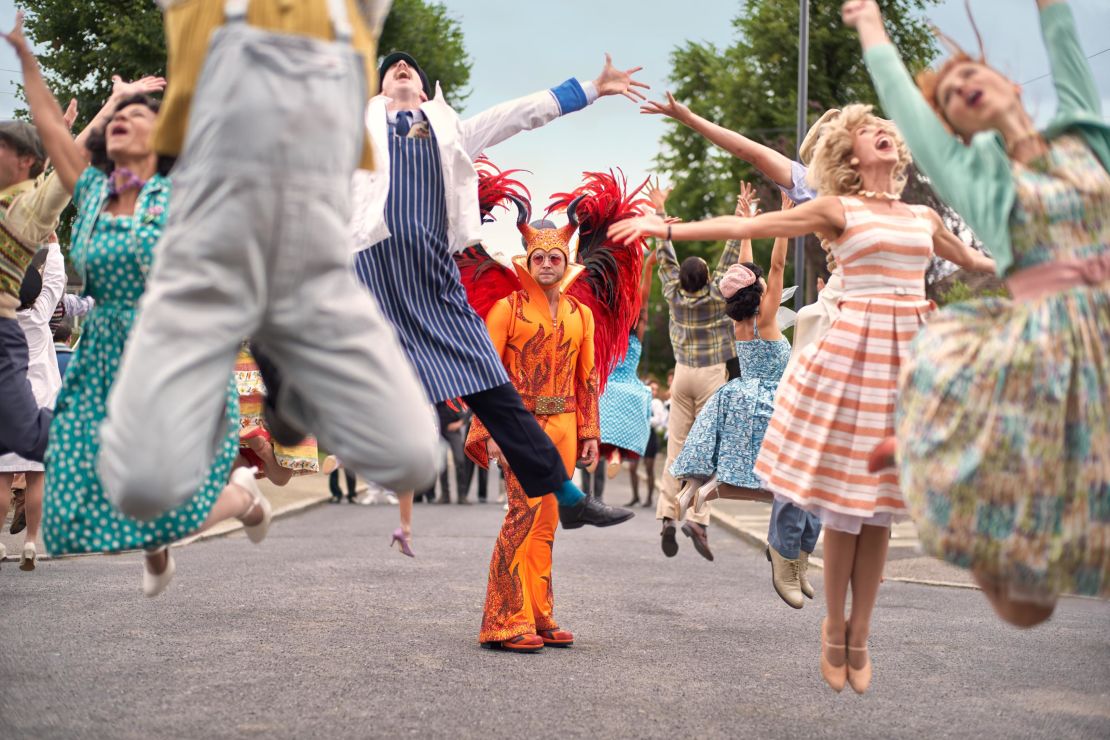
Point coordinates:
[[1003, 421], [121, 201]]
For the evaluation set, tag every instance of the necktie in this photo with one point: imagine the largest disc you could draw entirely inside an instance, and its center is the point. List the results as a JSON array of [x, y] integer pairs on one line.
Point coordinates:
[[404, 122]]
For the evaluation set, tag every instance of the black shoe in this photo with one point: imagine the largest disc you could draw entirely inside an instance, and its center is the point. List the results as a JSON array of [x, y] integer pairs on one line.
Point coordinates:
[[632, 503], [463, 502], [444, 499], [670, 544], [351, 499], [593, 512], [282, 430], [697, 533], [335, 500], [483, 500]]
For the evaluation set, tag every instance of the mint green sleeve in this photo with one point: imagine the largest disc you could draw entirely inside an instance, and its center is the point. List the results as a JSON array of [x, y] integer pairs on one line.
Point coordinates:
[[973, 179], [1071, 72]]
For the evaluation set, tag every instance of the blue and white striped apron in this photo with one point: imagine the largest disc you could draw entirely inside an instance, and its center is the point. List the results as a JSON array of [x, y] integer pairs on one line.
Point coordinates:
[[416, 282]]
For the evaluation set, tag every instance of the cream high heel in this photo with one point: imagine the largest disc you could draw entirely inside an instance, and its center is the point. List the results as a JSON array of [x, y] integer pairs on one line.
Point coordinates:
[[706, 493], [859, 678], [27, 557], [244, 478], [686, 498], [155, 583]]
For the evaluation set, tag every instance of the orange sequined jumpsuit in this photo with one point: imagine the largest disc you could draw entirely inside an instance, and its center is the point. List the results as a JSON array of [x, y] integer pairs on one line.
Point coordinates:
[[552, 366]]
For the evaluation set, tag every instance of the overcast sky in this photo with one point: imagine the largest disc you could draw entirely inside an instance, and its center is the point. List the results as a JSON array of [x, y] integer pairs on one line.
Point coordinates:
[[520, 46]]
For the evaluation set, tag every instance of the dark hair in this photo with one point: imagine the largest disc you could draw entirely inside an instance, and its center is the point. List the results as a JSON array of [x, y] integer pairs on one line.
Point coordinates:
[[693, 274], [744, 303], [98, 140], [63, 332], [31, 287]]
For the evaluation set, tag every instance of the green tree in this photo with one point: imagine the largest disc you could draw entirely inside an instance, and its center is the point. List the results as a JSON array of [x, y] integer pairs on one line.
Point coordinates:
[[82, 43], [750, 86]]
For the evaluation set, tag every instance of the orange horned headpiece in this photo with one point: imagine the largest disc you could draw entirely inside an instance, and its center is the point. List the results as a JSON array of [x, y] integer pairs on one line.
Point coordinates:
[[546, 239]]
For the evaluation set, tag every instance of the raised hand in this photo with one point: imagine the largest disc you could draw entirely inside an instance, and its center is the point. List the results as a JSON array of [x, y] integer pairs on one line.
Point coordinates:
[[747, 205], [631, 230], [670, 108], [142, 86], [856, 13], [70, 114], [657, 195], [15, 37], [613, 81]]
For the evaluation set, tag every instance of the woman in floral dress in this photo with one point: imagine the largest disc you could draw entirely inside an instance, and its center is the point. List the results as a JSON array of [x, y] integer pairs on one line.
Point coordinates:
[[121, 201], [1003, 420]]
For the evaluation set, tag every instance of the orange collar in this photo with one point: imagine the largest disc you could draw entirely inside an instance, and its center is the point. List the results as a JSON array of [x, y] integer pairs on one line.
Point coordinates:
[[535, 292]]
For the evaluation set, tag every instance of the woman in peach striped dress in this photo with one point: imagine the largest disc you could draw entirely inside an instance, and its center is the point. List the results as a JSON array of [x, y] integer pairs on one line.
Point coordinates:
[[837, 402]]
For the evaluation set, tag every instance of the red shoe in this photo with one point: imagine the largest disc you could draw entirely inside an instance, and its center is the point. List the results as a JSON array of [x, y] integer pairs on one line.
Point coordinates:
[[556, 638], [882, 456], [518, 644]]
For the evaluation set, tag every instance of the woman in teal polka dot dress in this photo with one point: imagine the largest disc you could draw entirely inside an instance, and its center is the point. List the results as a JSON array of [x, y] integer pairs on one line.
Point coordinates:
[[122, 201]]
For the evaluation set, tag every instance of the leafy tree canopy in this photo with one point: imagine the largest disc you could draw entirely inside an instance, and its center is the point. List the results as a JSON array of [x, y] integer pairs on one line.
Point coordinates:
[[82, 43]]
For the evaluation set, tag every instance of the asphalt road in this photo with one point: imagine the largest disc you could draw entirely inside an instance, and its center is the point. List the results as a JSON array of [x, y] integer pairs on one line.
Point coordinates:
[[324, 632]]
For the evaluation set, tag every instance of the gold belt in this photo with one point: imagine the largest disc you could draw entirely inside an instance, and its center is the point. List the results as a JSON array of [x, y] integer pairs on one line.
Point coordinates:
[[549, 405]]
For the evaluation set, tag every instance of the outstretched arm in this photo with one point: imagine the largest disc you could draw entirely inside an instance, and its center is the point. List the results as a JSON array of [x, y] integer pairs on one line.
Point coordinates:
[[824, 215], [947, 245], [503, 121], [774, 165]]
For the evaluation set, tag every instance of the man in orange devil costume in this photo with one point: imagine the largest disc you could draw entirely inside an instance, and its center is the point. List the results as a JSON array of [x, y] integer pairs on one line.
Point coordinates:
[[545, 339]]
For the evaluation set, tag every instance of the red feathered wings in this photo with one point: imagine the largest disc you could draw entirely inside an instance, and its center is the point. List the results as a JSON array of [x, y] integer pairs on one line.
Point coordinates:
[[486, 280], [611, 283]]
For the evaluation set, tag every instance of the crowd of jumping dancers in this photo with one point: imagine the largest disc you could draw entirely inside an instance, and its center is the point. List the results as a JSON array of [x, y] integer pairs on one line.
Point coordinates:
[[215, 232]]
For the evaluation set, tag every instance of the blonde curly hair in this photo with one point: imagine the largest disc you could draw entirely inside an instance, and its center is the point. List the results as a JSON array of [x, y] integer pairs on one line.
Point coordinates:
[[831, 171]]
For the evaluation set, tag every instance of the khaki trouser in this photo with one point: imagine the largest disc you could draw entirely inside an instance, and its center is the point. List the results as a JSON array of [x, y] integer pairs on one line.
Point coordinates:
[[691, 389]]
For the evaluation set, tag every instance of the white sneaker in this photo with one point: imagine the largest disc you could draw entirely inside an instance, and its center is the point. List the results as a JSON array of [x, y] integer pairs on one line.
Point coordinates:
[[154, 584], [244, 478]]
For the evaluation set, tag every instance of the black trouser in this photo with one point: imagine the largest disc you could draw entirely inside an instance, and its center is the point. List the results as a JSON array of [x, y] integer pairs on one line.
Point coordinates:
[[333, 483], [457, 442], [528, 450], [483, 478], [23, 425], [594, 484]]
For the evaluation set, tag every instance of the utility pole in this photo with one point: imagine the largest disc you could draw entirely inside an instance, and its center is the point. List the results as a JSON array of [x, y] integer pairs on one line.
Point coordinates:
[[803, 112]]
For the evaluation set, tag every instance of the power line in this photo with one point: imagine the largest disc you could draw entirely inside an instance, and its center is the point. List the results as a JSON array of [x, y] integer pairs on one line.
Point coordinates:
[[1049, 74]]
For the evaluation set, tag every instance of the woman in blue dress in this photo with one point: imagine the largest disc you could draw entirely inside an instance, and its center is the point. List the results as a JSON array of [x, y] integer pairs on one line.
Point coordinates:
[[719, 455], [122, 200]]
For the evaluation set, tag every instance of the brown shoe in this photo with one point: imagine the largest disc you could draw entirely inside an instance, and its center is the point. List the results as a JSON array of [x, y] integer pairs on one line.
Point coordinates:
[[807, 589], [699, 533], [785, 577], [19, 512]]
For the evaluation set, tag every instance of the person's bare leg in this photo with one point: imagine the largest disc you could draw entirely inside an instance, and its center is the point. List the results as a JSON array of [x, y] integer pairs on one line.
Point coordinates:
[[840, 557], [404, 508], [1022, 614], [867, 573], [32, 504], [233, 502], [5, 495]]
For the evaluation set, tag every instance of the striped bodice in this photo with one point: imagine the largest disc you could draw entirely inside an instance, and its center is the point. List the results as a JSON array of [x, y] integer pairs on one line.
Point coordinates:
[[883, 253]]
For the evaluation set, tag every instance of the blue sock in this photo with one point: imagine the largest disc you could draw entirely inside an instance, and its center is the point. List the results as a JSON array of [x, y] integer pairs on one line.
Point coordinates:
[[569, 494]]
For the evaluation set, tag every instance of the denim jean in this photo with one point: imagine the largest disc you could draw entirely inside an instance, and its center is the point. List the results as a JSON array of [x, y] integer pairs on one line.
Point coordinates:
[[792, 529]]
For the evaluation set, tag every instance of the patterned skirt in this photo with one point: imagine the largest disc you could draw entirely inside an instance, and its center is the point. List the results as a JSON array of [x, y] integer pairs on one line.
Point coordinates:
[[1004, 442], [834, 407], [302, 458]]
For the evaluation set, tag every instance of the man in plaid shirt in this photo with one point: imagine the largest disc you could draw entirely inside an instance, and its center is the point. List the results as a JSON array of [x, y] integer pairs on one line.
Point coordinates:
[[703, 343]]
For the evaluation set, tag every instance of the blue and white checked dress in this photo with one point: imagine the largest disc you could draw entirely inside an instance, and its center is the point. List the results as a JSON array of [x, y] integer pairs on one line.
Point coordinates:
[[416, 282], [625, 406]]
